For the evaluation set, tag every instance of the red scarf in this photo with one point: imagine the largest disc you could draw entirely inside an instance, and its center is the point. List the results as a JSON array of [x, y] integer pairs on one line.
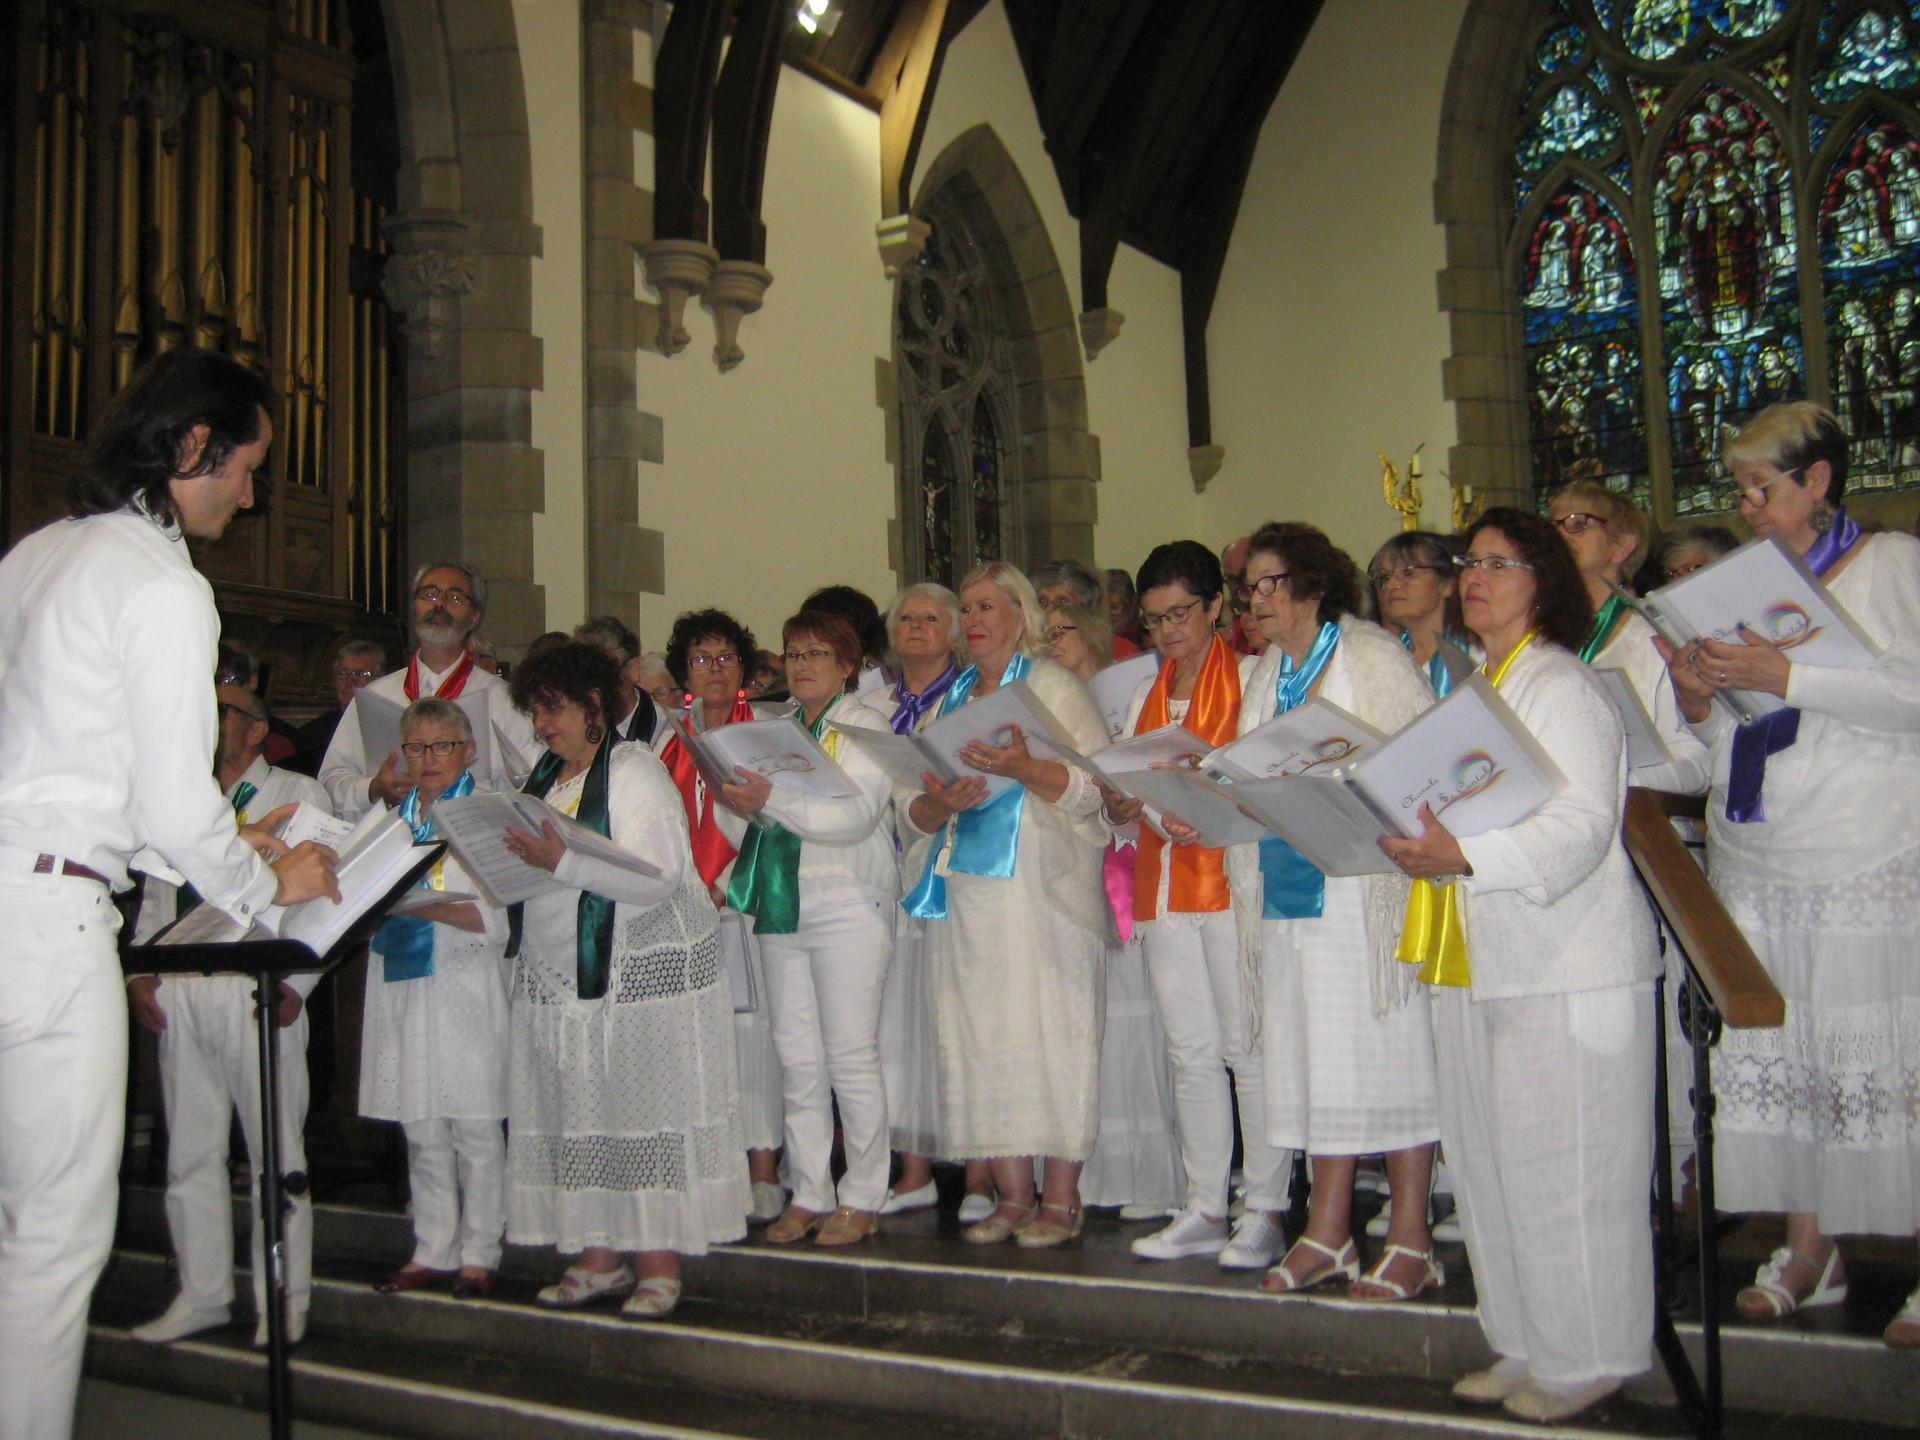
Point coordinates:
[[450, 687], [1198, 883], [712, 851]]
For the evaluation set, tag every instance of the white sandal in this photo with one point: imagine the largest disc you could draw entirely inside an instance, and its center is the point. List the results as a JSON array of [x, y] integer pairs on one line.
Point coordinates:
[[653, 1299], [1908, 1321], [1431, 1278], [1342, 1264], [1767, 1285], [582, 1287]]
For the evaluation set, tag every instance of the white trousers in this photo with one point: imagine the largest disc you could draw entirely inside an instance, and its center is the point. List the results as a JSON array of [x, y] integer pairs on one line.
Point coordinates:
[[209, 1068], [1546, 1112], [63, 1084], [1195, 970], [824, 986], [457, 1179]]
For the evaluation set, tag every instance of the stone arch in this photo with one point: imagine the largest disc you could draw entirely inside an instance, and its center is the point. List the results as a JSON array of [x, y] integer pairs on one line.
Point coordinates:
[[461, 273], [1059, 461]]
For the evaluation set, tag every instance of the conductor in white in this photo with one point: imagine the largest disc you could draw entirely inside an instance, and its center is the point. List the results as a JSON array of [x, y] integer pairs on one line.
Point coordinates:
[[210, 1067], [107, 641]]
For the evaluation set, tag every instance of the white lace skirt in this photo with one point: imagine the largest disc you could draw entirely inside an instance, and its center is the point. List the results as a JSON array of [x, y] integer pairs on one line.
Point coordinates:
[[1823, 1114], [1136, 1160], [910, 1048], [1339, 1081]]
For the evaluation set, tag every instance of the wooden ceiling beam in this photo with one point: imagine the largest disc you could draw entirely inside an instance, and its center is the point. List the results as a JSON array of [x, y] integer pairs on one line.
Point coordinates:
[[1098, 40], [909, 93], [742, 124], [683, 73]]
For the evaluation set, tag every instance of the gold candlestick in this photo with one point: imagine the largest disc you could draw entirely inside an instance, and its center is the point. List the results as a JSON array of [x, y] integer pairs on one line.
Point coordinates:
[[1403, 496], [1467, 503]]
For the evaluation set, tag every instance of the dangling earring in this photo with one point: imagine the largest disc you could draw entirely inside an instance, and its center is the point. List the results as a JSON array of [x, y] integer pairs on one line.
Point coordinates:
[[1822, 518], [594, 732]]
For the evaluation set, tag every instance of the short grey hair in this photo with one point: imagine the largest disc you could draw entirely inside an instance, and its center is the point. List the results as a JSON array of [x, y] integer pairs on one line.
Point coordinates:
[[431, 709], [609, 632], [364, 647], [1088, 588], [936, 593], [654, 663], [476, 586]]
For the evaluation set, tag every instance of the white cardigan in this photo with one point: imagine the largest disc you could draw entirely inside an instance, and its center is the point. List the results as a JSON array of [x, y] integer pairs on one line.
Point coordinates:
[[845, 839], [1553, 905]]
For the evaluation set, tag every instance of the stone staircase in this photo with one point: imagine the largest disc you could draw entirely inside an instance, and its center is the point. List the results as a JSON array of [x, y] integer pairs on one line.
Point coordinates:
[[917, 1334]]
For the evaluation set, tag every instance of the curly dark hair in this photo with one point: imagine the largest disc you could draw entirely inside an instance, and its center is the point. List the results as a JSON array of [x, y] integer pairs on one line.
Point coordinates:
[[1181, 562], [1317, 569], [697, 625], [582, 673], [1562, 609], [858, 609], [834, 631], [136, 449]]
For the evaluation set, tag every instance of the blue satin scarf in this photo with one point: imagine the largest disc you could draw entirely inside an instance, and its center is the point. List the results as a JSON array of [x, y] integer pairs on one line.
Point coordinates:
[[1292, 886], [1439, 677], [404, 943], [982, 841]]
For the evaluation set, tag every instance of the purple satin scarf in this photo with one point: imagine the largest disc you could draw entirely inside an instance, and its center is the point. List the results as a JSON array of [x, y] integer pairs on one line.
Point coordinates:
[[1754, 741], [906, 718]]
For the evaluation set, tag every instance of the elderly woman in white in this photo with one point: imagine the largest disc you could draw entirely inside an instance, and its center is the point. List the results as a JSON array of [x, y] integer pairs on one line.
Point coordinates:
[[1016, 928], [1814, 839], [1545, 1058], [433, 1037], [822, 884]]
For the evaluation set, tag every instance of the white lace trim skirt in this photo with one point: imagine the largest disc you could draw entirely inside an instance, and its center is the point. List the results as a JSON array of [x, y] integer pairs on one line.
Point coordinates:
[[1823, 1114], [1136, 1159], [910, 1048]]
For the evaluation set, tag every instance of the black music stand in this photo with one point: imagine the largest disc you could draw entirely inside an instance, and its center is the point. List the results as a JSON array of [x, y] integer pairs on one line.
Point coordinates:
[[267, 961]]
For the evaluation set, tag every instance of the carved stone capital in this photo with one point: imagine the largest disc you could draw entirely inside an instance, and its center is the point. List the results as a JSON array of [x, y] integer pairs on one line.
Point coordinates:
[[736, 291], [1099, 329], [901, 239], [425, 287], [677, 270], [1204, 462]]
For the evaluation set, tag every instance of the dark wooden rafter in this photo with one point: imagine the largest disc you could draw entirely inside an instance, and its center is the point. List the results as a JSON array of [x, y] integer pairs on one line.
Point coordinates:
[[742, 125], [683, 86]]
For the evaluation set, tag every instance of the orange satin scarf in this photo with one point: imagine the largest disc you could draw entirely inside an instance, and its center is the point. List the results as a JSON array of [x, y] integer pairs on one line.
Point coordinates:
[[1199, 880]]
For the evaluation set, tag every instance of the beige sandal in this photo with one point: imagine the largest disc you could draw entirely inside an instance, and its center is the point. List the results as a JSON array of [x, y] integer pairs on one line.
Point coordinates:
[[998, 1228], [1043, 1234], [653, 1298]]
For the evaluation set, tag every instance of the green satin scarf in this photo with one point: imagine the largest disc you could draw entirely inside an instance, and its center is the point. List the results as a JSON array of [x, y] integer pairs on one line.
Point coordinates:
[[593, 932], [766, 876], [1602, 631]]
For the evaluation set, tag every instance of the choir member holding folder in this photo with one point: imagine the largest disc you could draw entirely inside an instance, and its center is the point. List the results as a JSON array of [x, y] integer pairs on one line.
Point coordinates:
[[624, 1125], [1016, 927], [822, 884], [1815, 845], [1343, 1026], [1544, 954], [433, 1046], [1183, 907]]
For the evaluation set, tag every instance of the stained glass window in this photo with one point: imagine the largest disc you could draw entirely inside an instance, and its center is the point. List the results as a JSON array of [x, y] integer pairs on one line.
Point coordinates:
[[954, 382], [1705, 293]]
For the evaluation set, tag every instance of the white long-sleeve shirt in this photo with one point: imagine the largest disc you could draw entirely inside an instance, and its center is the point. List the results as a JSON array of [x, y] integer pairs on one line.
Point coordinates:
[[844, 838], [107, 713], [347, 770]]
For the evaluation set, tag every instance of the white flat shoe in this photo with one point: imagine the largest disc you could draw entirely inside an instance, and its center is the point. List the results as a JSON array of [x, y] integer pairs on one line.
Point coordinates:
[[975, 1208], [1256, 1243], [583, 1287], [899, 1202], [296, 1329], [1190, 1235], [1550, 1404], [1134, 1213], [1492, 1385], [769, 1203], [180, 1320], [652, 1299]]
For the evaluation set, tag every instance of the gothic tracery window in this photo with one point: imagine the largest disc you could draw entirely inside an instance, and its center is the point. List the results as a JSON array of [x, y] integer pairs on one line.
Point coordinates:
[[1716, 206], [957, 475]]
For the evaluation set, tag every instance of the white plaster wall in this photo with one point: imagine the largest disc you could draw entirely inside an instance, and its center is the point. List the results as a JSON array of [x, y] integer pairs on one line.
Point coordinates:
[[551, 68], [1327, 337], [775, 478]]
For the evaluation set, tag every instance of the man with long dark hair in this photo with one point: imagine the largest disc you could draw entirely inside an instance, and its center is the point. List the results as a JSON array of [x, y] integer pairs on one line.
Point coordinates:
[[107, 725]]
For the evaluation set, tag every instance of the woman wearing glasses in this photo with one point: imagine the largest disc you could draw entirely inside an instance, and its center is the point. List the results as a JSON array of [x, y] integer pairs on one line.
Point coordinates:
[[1608, 536], [1183, 909], [707, 655], [1349, 1060], [1545, 1056], [1136, 1162], [1815, 844], [1684, 551], [1412, 592], [624, 1138], [433, 1037], [823, 886], [1015, 927]]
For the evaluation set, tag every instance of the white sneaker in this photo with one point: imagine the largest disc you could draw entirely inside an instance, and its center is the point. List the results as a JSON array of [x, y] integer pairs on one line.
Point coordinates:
[[769, 1203], [901, 1201], [975, 1208], [1368, 1181], [296, 1329], [181, 1319], [1256, 1243], [1135, 1213], [1192, 1234]]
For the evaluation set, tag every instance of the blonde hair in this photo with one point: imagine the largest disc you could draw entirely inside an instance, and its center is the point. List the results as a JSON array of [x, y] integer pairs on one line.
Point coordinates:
[[1623, 517], [1793, 435], [1095, 629], [1012, 580]]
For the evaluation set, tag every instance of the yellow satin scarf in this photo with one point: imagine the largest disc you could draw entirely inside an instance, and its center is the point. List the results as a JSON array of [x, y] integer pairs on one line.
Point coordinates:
[[1433, 937], [1198, 882]]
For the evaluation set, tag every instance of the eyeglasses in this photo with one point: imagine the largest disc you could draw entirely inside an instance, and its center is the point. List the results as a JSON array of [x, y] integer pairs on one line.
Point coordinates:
[[247, 715], [1403, 573], [342, 672], [414, 749], [451, 595], [1245, 590], [230, 677], [1171, 616], [1054, 632], [726, 660], [1490, 564], [1674, 572], [1758, 493], [814, 656], [1578, 522]]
